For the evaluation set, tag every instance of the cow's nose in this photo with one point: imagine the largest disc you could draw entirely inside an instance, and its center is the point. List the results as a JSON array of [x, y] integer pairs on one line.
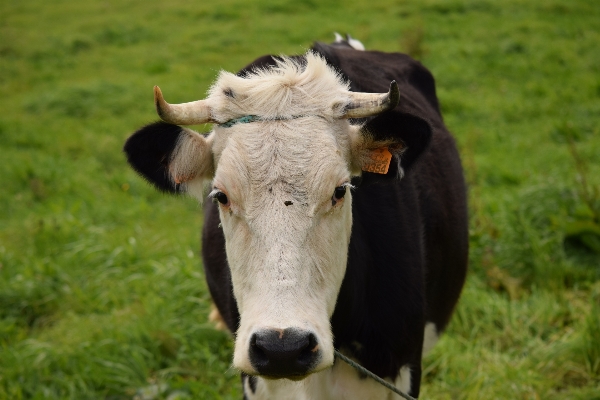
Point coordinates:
[[284, 353]]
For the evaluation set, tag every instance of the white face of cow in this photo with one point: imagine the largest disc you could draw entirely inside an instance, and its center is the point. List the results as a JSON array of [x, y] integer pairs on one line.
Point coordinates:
[[282, 186], [287, 219]]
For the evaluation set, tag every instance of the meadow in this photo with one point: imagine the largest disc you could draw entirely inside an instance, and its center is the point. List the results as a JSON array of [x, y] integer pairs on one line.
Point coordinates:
[[102, 294]]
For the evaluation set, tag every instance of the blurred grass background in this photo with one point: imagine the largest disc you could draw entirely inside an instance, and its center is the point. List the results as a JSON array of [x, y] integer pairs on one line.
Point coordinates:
[[102, 294]]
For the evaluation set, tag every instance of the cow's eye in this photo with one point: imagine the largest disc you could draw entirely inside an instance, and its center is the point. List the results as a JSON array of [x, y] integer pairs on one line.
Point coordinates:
[[338, 194], [221, 198]]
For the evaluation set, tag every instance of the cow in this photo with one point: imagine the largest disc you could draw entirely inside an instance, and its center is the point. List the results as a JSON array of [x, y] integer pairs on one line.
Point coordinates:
[[338, 217]]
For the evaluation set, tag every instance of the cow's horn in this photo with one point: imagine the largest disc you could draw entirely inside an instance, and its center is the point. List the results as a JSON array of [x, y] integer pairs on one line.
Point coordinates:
[[192, 113], [368, 104]]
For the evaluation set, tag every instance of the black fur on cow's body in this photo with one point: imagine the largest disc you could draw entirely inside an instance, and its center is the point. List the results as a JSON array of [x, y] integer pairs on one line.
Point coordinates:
[[408, 250], [407, 256]]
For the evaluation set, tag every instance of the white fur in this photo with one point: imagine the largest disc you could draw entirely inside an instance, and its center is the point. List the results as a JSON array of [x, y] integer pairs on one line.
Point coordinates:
[[336, 383], [402, 382], [191, 162], [286, 90], [430, 338], [287, 262]]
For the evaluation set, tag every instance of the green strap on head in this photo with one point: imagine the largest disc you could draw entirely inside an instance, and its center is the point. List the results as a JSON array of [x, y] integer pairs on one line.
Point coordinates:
[[241, 120], [253, 118]]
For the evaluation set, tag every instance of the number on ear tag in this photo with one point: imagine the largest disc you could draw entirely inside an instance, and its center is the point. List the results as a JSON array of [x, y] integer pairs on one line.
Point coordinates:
[[379, 162]]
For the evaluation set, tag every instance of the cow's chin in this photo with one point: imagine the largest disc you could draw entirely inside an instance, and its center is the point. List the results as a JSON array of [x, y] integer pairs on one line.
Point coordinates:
[[295, 378], [283, 353]]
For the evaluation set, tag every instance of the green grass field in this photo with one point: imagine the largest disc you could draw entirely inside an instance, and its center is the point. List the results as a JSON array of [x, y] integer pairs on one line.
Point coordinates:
[[102, 294]]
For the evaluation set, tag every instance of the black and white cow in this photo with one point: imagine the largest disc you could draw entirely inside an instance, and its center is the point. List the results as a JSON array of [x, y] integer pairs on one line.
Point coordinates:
[[338, 219]]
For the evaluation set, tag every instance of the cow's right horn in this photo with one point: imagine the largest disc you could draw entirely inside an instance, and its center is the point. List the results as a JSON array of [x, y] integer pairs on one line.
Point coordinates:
[[192, 113], [369, 104]]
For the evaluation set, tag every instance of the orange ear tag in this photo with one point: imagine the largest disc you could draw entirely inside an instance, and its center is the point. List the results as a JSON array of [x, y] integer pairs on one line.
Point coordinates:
[[379, 162]]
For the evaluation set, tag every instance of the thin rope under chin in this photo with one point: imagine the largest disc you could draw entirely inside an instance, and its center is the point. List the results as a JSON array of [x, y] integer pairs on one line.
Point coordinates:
[[365, 371]]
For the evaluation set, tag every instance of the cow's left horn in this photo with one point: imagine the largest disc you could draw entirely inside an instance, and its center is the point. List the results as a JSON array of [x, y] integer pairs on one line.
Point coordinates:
[[194, 112], [368, 104]]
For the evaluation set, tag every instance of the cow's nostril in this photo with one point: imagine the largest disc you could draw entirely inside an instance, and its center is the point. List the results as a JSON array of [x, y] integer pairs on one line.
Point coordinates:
[[257, 353], [284, 353], [308, 352]]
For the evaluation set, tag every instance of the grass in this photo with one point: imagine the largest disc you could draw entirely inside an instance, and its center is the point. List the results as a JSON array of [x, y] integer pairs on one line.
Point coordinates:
[[101, 290]]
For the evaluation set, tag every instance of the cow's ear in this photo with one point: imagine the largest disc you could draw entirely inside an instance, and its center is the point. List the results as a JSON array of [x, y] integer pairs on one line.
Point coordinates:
[[172, 158], [388, 145]]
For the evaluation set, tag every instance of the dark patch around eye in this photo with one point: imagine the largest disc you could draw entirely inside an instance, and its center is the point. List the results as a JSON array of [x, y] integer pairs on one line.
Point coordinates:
[[288, 203]]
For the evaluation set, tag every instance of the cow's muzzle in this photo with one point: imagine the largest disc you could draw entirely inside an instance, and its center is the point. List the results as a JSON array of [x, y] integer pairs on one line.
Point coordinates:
[[284, 353]]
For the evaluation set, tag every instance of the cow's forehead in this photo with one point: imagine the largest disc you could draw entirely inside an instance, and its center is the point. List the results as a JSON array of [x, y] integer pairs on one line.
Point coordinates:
[[297, 144], [304, 158]]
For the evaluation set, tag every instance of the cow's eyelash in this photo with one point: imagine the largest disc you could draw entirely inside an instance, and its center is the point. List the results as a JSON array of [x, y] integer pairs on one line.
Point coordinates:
[[340, 192], [213, 193], [219, 196]]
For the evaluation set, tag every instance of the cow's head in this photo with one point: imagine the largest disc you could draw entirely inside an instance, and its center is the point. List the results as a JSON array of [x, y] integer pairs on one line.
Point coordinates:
[[279, 161]]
